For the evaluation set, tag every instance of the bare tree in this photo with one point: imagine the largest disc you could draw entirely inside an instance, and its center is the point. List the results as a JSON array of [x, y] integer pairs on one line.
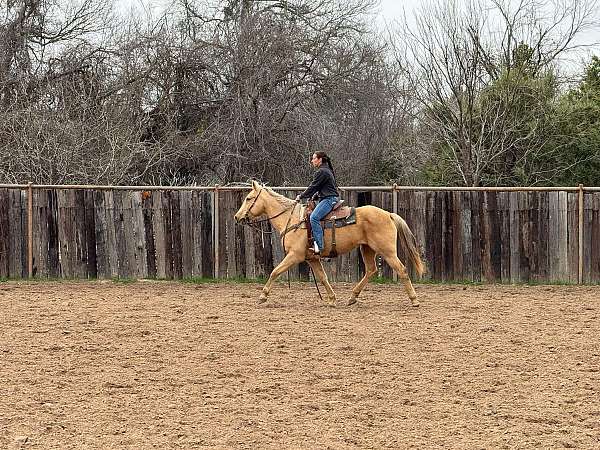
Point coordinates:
[[484, 77], [253, 84]]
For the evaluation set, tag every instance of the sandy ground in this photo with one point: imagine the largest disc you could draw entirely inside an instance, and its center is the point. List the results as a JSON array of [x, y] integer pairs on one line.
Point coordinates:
[[174, 365]]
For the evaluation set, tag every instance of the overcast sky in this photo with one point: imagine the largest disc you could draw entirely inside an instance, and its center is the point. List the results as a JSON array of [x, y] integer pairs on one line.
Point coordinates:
[[391, 12]]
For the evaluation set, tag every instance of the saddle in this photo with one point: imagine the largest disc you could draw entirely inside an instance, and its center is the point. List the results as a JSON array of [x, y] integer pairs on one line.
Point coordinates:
[[340, 216]]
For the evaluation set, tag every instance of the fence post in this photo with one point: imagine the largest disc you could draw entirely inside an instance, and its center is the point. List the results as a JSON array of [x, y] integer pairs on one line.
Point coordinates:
[[30, 229], [395, 211], [580, 236], [215, 214]]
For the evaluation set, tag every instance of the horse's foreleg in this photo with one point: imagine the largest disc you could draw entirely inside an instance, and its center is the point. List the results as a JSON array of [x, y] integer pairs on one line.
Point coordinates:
[[399, 268], [319, 272], [368, 255], [290, 260]]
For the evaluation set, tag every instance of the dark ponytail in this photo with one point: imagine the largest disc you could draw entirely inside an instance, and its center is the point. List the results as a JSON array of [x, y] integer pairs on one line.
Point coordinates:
[[326, 159]]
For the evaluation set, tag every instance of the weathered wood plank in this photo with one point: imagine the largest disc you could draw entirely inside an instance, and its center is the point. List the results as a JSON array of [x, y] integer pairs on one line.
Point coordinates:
[[139, 235], [504, 238], [573, 236], [40, 231], [101, 232], [432, 244], [467, 239], [197, 231], [476, 234], [207, 236], [543, 239], [448, 235], [496, 237], [112, 215], [167, 210], [129, 234], [187, 242], [515, 226], [90, 235], [553, 235], [25, 234], [158, 224], [66, 232], [534, 236], [123, 269], [81, 247], [5, 240], [16, 241], [222, 227], [438, 242], [486, 238], [457, 237], [239, 236], [51, 234], [176, 235], [227, 234], [150, 244], [563, 238], [524, 236], [587, 236], [594, 261]]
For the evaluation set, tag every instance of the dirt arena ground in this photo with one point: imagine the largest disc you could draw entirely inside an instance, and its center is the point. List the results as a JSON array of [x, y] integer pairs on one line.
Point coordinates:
[[106, 365]]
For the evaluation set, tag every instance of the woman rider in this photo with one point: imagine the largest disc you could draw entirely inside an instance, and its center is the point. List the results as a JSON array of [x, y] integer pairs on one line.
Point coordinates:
[[324, 185]]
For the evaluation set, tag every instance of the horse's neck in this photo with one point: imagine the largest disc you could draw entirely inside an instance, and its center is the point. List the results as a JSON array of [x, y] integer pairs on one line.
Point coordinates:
[[286, 219]]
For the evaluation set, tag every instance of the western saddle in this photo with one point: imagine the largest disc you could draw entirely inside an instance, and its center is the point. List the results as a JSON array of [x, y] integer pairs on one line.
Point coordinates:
[[340, 216]]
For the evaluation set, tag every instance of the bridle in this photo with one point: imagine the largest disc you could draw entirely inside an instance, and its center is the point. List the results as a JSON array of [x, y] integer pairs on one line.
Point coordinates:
[[255, 223]]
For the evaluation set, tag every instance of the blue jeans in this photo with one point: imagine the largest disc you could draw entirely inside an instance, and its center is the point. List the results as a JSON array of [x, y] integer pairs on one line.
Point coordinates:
[[321, 210]]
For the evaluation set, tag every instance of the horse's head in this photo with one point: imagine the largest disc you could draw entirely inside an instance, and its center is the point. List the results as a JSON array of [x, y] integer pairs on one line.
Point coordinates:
[[253, 205]]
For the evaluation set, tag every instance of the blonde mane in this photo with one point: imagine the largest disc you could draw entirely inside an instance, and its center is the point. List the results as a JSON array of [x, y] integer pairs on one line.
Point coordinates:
[[282, 199]]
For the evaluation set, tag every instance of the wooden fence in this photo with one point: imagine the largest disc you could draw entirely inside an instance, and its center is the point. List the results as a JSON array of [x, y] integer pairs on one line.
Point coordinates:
[[489, 235]]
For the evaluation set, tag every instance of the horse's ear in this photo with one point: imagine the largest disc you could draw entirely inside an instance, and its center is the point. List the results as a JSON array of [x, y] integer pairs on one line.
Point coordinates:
[[255, 185]]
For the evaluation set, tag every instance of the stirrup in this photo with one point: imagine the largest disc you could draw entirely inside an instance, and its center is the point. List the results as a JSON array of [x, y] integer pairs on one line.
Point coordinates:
[[310, 254]]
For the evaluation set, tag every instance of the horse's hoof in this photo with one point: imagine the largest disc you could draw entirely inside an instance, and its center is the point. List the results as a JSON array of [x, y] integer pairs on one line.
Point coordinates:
[[415, 303], [261, 300], [352, 301]]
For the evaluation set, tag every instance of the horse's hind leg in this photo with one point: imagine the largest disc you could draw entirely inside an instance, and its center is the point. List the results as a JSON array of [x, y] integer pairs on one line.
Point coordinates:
[[368, 255], [319, 272], [396, 264]]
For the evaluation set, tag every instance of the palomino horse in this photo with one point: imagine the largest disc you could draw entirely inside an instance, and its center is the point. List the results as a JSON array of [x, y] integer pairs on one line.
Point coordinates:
[[375, 231]]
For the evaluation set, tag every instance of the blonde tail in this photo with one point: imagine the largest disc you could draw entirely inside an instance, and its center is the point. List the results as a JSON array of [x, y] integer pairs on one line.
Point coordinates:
[[409, 243]]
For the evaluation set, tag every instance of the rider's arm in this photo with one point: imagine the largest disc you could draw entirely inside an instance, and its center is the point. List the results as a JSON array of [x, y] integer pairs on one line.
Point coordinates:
[[319, 178]]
